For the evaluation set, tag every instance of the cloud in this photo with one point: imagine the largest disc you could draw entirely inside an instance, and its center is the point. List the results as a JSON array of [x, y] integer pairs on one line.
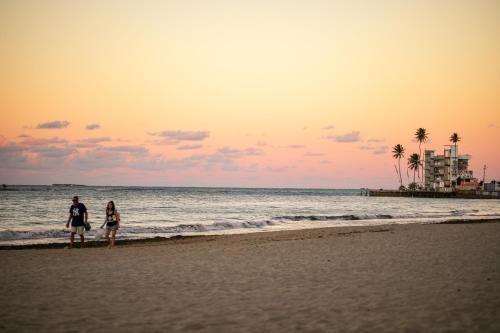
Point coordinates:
[[253, 152], [349, 137], [329, 127], [183, 135], [164, 142], [36, 157], [53, 152], [95, 140], [53, 125], [13, 156], [325, 162], [380, 150], [24, 136], [91, 127], [313, 154], [126, 149], [492, 126], [99, 159], [43, 141], [91, 142], [375, 150], [376, 140], [189, 147], [262, 144], [295, 146], [237, 153], [278, 169], [224, 158]]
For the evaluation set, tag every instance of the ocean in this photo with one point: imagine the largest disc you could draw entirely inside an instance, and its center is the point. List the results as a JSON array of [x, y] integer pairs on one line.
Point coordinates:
[[38, 214]]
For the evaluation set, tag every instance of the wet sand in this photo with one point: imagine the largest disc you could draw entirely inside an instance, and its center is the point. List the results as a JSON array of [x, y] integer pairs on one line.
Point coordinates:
[[393, 278]]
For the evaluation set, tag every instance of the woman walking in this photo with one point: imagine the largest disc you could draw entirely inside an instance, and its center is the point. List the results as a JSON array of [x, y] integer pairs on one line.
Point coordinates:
[[112, 223]]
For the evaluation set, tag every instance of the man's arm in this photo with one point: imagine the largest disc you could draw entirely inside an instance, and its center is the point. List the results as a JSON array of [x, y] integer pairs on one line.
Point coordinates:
[[69, 219], [86, 215]]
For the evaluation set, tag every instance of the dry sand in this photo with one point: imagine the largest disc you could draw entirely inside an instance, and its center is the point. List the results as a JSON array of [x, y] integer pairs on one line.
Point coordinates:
[[397, 278]]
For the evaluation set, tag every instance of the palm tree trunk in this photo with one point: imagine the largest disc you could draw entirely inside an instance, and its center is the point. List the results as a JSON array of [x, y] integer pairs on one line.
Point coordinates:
[[400, 179], [420, 157]]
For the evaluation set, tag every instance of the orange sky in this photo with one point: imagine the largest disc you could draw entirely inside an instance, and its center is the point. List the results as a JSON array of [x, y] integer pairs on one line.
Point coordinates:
[[220, 93]]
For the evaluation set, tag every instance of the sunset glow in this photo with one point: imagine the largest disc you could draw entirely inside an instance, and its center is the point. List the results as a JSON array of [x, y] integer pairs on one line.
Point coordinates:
[[221, 93]]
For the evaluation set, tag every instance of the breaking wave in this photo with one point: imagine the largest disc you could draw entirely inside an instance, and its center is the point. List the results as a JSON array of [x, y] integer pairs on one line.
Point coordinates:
[[6, 235]]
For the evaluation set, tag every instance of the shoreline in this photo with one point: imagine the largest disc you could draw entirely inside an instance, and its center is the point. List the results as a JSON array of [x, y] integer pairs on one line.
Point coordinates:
[[160, 240]]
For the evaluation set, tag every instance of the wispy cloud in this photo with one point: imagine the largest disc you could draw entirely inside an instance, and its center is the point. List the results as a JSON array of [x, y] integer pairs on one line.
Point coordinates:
[[380, 150], [24, 136], [237, 153], [295, 146], [96, 140], [43, 141], [189, 147], [329, 127], [53, 152], [126, 149], [91, 127], [278, 169], [53, 125], [309, 154], [375, 140], [346, 138], [183, 135], [91, 142]]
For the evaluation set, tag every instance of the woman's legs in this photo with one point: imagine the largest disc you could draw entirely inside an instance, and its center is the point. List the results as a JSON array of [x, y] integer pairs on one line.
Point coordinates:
[[113, 234], [106, 235]]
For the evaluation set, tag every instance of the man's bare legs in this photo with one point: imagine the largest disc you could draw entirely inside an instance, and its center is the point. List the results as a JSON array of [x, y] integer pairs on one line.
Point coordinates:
[[72, 240]]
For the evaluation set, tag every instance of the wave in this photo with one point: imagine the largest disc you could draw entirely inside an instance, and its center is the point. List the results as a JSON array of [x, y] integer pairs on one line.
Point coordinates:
[[6, 235], [353, 217], [332, 217], [24, 234]]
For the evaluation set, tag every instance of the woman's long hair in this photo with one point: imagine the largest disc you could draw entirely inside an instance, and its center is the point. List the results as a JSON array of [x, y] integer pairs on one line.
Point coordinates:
[[113, 209]]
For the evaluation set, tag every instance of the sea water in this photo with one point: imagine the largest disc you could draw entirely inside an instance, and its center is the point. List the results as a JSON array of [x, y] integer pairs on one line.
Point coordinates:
[[38, 214]]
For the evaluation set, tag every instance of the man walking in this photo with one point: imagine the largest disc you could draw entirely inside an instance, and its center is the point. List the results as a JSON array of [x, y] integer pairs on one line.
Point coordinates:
[[77, 212]]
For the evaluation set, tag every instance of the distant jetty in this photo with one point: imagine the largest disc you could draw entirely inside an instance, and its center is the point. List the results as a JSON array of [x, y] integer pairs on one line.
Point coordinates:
[[432, 194]]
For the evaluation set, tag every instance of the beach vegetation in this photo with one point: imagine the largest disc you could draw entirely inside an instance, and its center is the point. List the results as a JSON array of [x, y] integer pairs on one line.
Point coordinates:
[[412, 186], [398, 152], [454, 138], [414, 164], [421, 136]]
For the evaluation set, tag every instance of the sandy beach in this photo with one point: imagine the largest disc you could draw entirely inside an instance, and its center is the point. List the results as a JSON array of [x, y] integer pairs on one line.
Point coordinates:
[[394, 278]]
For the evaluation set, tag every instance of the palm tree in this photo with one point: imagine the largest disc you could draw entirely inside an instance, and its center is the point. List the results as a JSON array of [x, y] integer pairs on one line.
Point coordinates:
[[398, 152], [455, 138], [414, 163], [421, 136]]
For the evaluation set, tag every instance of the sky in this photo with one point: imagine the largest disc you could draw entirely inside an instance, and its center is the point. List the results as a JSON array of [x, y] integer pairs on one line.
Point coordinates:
[[257, 93]]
